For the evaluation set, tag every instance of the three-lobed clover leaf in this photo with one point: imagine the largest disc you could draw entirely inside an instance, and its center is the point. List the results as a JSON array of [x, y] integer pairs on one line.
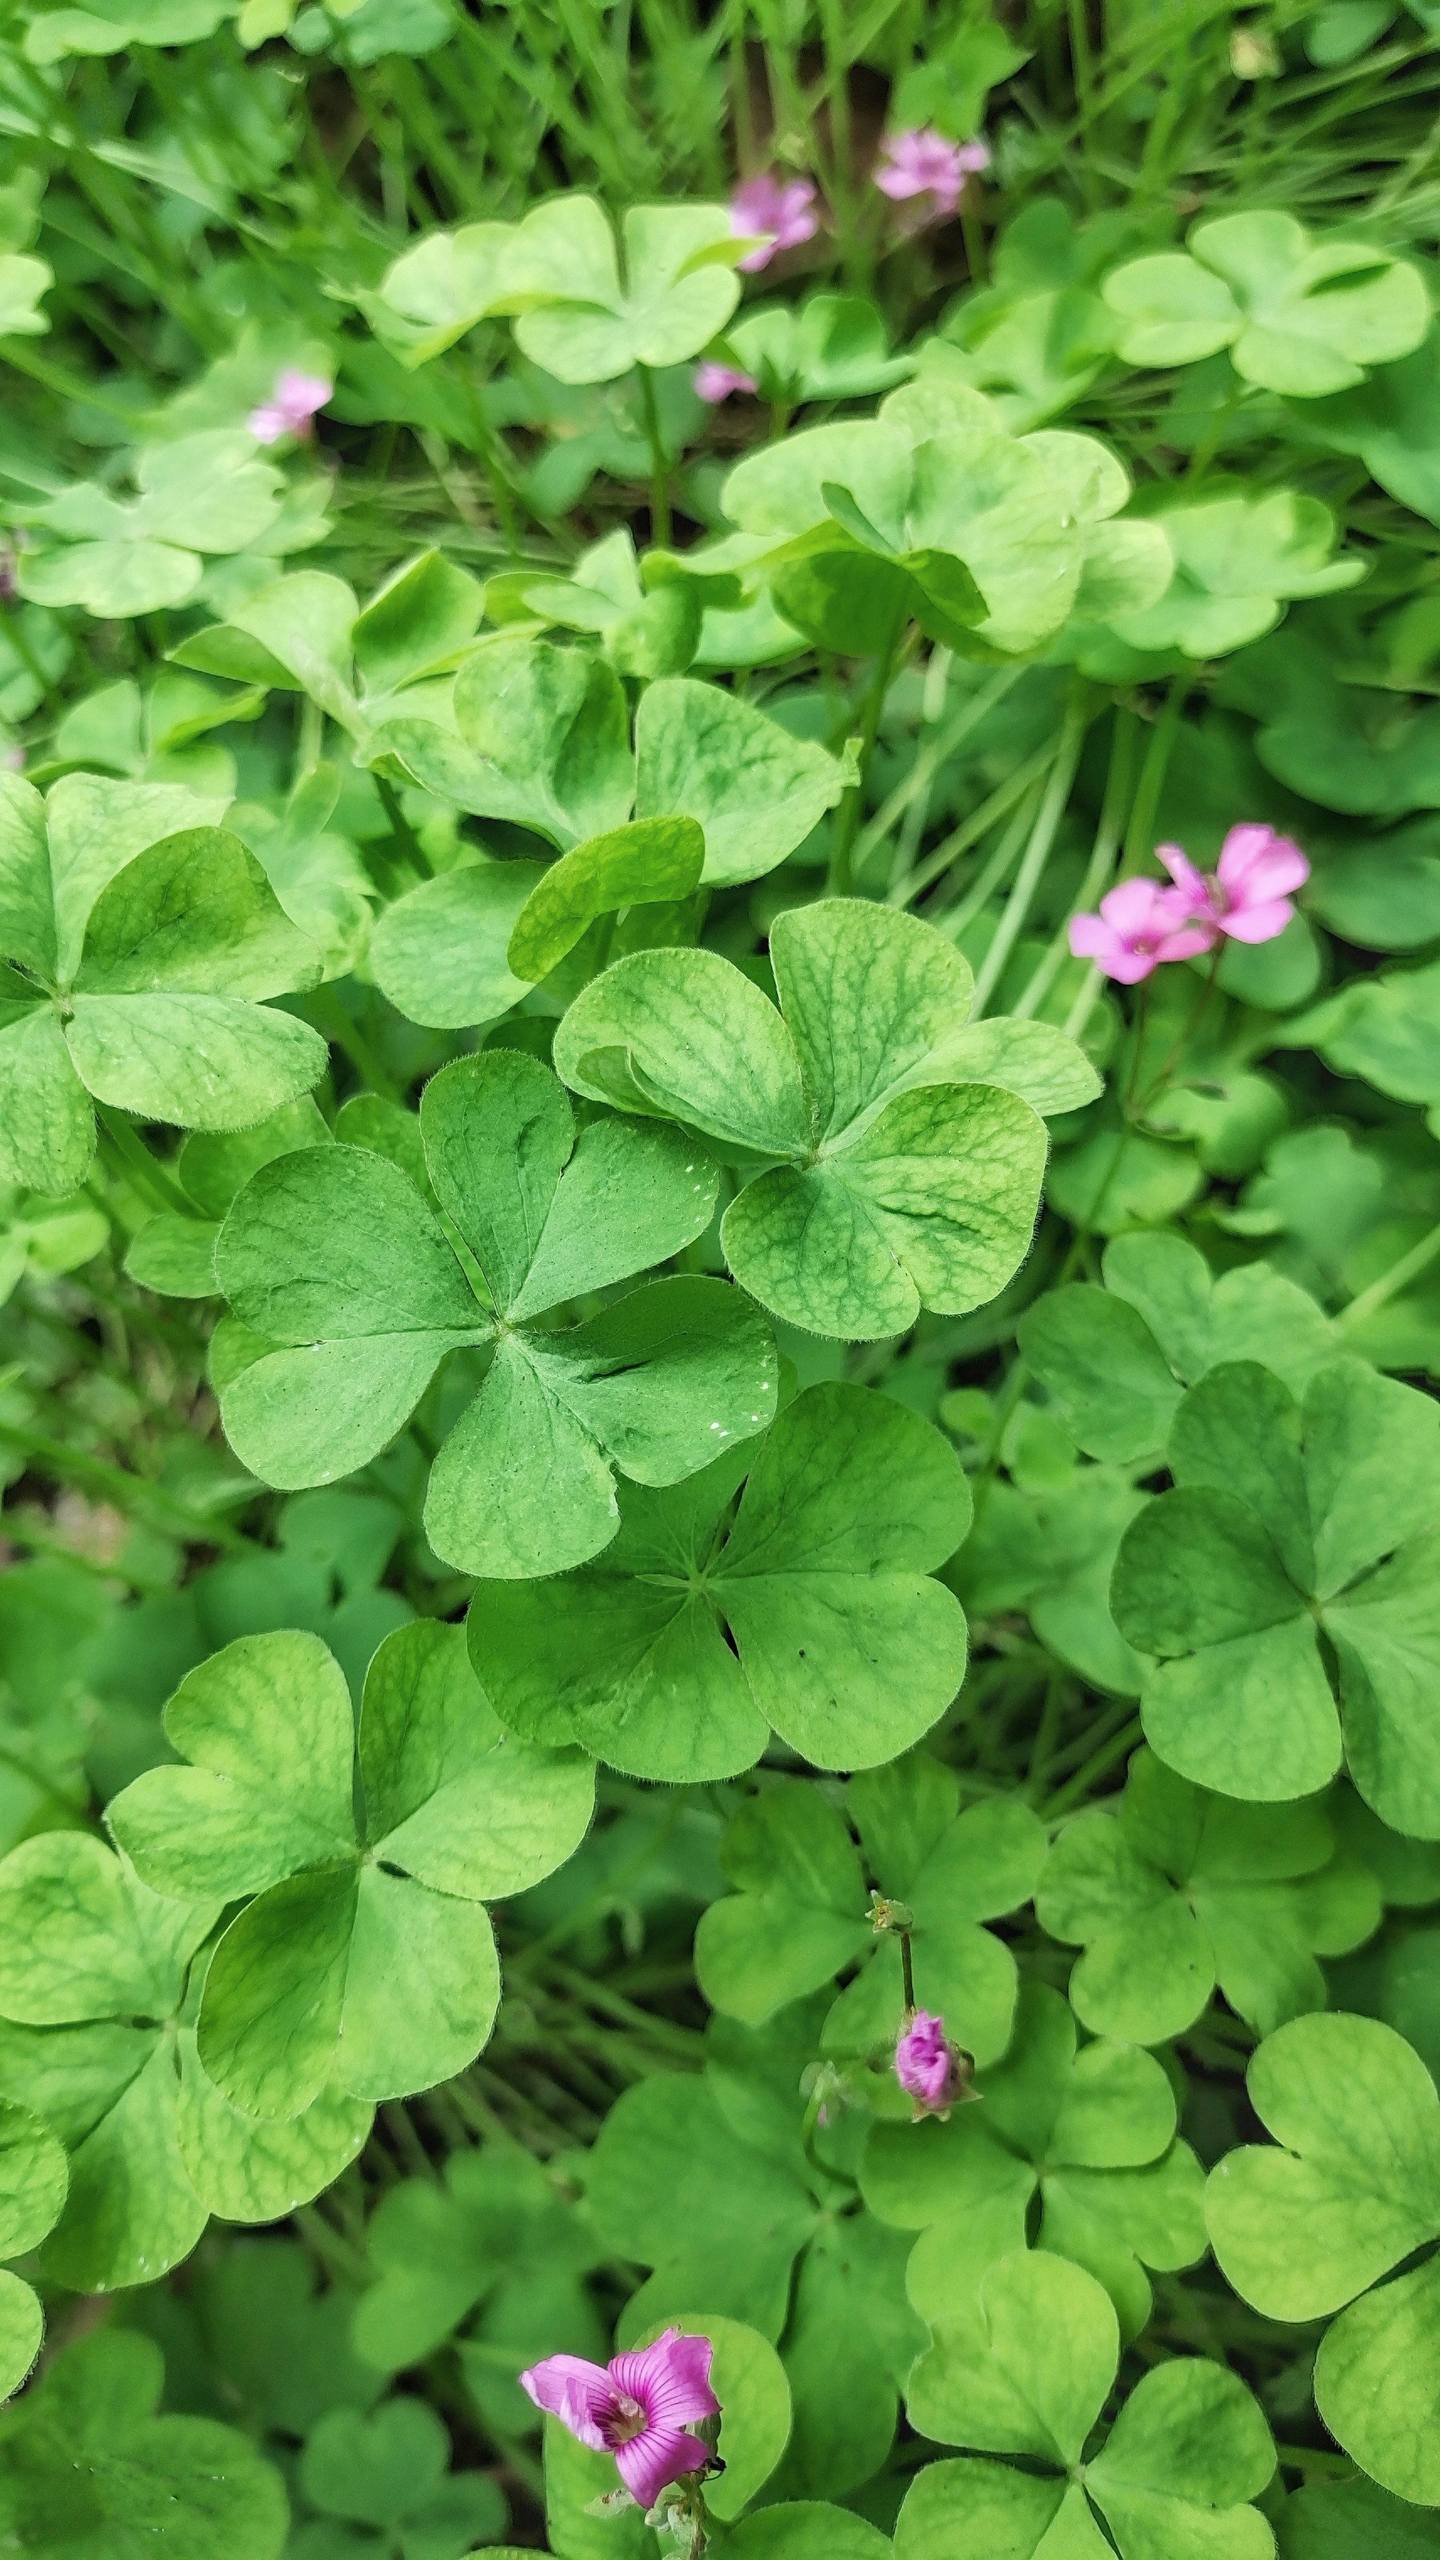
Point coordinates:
[[364, 1956], [590, 307], [811, 1611], [199, 495], [1021, 2376], [495, 2250], [139, 937], [356, 1292], [34, 2176], [381, 2487], [905, 1145], [391, 658], [1285, 1589], [1299, 315], [173, 1253], [1117, 1360], [1176, 1890], [804, 1865], [1351, 2190], [1239, 558], [89, 2465], [1084, 2132], [711, 792], [99, 1982]]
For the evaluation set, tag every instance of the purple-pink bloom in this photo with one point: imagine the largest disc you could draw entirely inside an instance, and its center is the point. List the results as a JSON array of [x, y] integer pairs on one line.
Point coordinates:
[[782, 208], [9, 582], [1140, 924], [927, 2065], [920, 162], [638, 2407], [290, 408], [716, 382], [1247, 896]]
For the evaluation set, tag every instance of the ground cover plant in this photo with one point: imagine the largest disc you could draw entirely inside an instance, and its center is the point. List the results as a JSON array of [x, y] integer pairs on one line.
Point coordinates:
[[719, 1280]]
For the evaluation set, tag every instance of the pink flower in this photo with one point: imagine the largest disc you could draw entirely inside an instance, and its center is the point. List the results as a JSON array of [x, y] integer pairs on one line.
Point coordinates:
[[9, 582], [783, 208], [637, 2407], [922, 163], [290, 408], [927, 2065], [1247, 894], [716, 382], [1139, 925]]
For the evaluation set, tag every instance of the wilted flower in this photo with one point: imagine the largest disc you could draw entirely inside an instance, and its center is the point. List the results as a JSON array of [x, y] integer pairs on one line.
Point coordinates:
[[929, 2068], [782, 208], [921, 162], [716, 382], [1140, 923], [638, 2407], [1247, 896], [290, 408]]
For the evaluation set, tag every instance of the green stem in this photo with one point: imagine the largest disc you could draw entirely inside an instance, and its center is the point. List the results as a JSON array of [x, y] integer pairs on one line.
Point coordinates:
[[998, 805], [1037, 852], [157, 1183], [1105, 1757], [1407, 1267], [847, 825], [660, 528], [1119, 782]]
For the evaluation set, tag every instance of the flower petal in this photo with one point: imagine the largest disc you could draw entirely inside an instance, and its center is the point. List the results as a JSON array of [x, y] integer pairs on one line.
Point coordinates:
[[580, 2394], [1258, 923], [670, 2379], [661, 2455], [1256, 865]]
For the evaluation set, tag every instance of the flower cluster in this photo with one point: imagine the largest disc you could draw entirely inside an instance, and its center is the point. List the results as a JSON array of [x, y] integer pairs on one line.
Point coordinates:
[[1246, 898], [639, 2407]]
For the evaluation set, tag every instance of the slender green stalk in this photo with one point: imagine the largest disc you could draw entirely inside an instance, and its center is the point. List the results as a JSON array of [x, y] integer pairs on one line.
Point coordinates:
[[660, 529], [1406, 1267], [1037, 851]]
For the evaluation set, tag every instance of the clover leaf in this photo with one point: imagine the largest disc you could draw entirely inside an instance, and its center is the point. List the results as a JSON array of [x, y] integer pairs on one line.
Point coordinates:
[[1238, 559], [1384, 1030], [1023, 2375], [541, 738], [87, 2465], [99, 1981], [800, 1916], [440, 288], [386, 2473], [811, 1611], [1335, 2519], [34, 2176], [1297, 1537], [806, 2530], [831, 346], [308, 633], [199, 495], [357, 1293], [496, 2245], [591, 308], [1176, 1890], [1086, 2135], [909, 1164], [1299, 315], [279, 2338], [1117, 1360], [174, 1253], [364, 1954], [140, 938], [1351, 2191]]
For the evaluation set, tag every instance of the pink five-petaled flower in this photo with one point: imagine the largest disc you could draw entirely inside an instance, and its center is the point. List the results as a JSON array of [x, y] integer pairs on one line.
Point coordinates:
[[637, 2407], [1247, 896], [927, 2065], [921, 162], [715, 382], [1140, 924], [782, 208], [290, 408]]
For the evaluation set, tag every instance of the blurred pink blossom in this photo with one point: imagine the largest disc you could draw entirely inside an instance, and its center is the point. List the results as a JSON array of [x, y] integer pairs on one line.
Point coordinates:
[[290, 408], [783, 208], [920, 162], [716, 382], [1247, 896], [638, 2407], [1140, 924]]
